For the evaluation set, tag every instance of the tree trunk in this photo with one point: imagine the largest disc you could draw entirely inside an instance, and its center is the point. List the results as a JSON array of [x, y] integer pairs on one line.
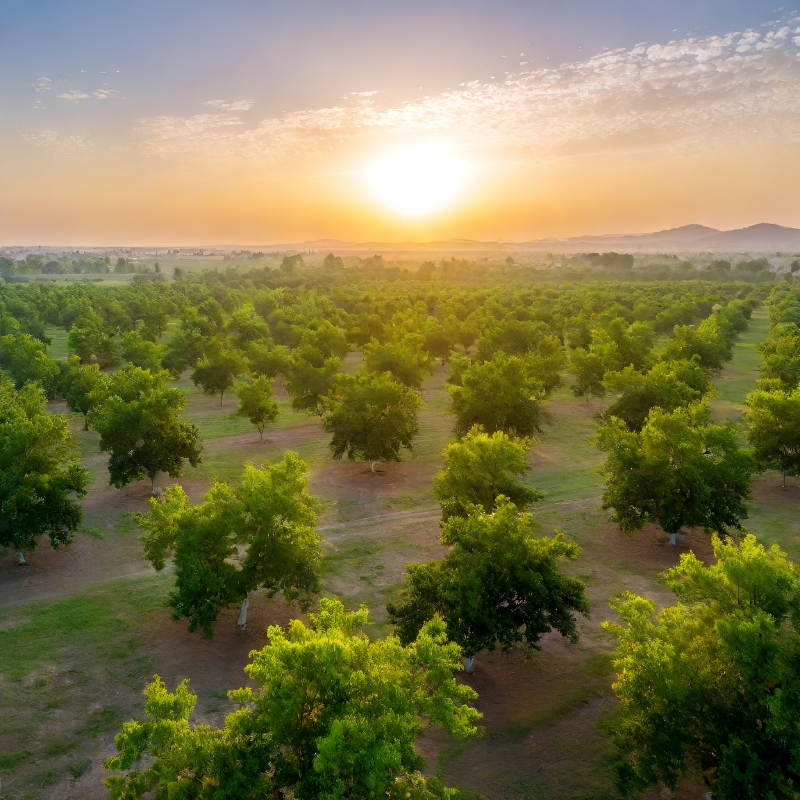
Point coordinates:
[[21, 557], [372, 465], [242, 621], [784, 479], [85, 422], [468, 662], [673, 539]]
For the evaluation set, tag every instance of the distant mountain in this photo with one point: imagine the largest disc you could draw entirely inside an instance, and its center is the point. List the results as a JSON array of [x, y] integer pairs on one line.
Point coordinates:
[[686, 233], [764, 236]]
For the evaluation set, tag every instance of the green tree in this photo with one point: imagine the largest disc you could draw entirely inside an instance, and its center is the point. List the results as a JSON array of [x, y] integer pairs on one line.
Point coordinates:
[[80, 384], [668, 385], [256, 402], [25, 359], [334, 715], [40, 472], [138, 419], [405, 360], [773, 429], [371, 417], [480, 468], [781, 355], [309, 377], [217, 370], [497, 395], [680, 470], [142, 353], [258, 534], [499, 584], [90, 339], [713, 681], [268, 361]]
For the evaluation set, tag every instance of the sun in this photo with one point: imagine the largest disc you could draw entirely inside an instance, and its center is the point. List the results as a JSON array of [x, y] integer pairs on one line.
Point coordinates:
[[416, 180]]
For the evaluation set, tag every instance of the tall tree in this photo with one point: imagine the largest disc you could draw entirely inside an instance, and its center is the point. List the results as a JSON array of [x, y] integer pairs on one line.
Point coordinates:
[[371, 417], [40, 472], [309, 377], [256, 402], [499, 584], [713, 681], [498, 395], [480, 468], [773, 429], [141, 352], [405, 360], [138, 419], [680, 470], [334, 715], [258, 534], [91, 339]]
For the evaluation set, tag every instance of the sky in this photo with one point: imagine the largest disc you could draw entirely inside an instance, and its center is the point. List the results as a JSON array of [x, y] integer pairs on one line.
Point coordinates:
[[180, 122]]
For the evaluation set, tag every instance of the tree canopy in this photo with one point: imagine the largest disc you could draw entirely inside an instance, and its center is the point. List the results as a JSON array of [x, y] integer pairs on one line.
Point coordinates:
[[40, 473], [334, 715], [773, 429], [371, 417], [680, 470], [498, 583], [480, 468], [256, 402], [256, 534], [713, 681], [138, 419]]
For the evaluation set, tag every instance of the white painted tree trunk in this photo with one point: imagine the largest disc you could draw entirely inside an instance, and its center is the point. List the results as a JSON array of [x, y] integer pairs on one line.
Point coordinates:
[[673, 539], [708, 795], [468, 662], [242, 621], [21, 557]]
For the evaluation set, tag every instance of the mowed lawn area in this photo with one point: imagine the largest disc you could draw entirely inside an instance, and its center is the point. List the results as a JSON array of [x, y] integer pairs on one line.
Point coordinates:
[[82, 630]]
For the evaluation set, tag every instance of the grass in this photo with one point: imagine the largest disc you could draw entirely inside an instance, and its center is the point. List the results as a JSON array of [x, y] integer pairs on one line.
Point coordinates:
[[58, 347]]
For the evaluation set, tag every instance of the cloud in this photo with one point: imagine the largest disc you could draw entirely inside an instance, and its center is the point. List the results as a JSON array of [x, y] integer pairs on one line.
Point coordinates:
[[52, 140], [42, 85], [237, 105], [73, 94], [686, 93], [105, 94]]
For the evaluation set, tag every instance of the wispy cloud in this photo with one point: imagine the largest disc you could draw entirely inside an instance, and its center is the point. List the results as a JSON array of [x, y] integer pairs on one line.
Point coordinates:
[[52, 140], [105, 94], [42, 85], [236, 105], [73, 94]]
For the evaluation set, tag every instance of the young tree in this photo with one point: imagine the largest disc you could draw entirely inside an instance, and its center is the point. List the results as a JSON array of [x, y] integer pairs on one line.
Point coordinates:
[[216, 371], [773, 429], [309, 377], [499, 584], [138, 419], [498, 395], [371, 417], [668, 385], [480, 468], [258, 534], [80, 383], [335, 715], [40, 472], [256, 402], [714, 680], [680, 470], [25, 359]]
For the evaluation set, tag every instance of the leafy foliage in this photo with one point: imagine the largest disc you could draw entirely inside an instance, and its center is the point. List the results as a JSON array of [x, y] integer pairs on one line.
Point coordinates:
[[371, 417], [138, 419], [680, 470], [773, 430], [39, 472], [480, 468], [258, 534], [714, 680], [498, 584], [256, 402], [335, 715]]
